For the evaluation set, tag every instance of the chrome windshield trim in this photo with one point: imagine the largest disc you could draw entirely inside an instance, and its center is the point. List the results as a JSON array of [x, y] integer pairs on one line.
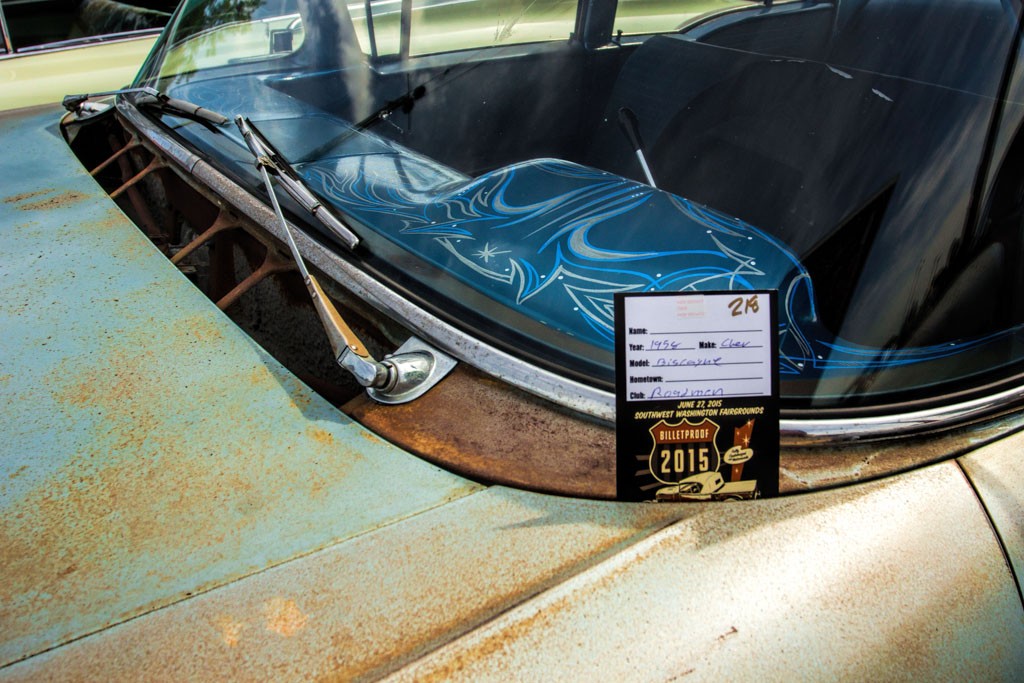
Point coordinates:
[[532, 379], [462, 346], [833, 431]]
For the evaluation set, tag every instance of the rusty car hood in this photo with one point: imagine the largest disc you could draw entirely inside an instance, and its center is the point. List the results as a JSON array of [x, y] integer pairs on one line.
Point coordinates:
[[151, 450], [175, 502]]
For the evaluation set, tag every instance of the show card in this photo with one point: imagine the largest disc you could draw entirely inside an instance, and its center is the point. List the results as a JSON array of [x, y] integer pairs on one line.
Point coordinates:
[[697, 395]]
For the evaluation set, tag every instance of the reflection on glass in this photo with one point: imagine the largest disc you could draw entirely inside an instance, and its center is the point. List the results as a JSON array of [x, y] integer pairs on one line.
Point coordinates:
[[656, 16], [840, 153]]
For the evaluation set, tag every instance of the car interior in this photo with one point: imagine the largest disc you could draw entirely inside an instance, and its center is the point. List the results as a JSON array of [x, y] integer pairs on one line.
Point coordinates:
[[883, 162], [824, 123]]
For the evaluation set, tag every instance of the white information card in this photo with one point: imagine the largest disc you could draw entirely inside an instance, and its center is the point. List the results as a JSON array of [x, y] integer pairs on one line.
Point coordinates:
[[697, 395], [698, 345]]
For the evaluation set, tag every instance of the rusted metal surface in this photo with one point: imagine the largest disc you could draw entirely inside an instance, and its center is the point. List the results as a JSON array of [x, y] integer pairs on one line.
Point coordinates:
[[150, 451], [154, 164], [492, 432], [817, 467], [223, 221], [362, 608], [273, 263], [997, 473], [174, 502], [133, 143], [141, 208], [899, 579]]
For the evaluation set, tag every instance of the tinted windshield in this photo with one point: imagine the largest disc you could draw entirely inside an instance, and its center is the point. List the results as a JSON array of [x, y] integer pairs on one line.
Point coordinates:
[[859, 156]]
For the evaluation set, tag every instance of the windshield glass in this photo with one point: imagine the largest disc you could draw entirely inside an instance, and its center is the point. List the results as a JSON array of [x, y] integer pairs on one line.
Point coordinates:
[[862, 157]]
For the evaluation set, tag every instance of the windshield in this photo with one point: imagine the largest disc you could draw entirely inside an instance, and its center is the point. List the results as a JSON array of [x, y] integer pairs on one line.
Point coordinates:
[[861, 157]]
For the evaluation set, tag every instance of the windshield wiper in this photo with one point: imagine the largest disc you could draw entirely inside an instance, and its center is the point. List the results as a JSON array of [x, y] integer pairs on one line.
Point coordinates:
[[271, 160], [402, 376], [151, 97]]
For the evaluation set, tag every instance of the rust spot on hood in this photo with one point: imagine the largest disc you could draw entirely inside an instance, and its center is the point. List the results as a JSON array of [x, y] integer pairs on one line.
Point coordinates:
[[490, 647], [321, 436], [284, 617], [230, 630], [55, 202], [14, 199]]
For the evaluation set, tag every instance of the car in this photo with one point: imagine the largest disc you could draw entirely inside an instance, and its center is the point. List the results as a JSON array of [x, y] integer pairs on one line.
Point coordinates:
[[49, 49], [313, 339], [707, 486]]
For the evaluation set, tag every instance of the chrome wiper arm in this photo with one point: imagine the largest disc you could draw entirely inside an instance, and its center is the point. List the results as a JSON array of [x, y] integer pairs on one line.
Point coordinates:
[[151, 97], [268, 158], [400, 377]]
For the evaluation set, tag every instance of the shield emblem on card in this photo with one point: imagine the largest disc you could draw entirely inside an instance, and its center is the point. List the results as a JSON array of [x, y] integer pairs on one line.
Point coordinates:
[[683, 449]]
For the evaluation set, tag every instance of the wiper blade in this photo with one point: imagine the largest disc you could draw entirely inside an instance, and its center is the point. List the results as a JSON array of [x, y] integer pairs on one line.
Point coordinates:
[[153, 98], [267, 157], [184, 108], [271, 160]]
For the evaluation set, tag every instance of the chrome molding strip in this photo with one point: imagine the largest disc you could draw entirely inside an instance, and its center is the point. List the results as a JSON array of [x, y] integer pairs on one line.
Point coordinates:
[[85, 41], [824, 432], [508, 368]]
